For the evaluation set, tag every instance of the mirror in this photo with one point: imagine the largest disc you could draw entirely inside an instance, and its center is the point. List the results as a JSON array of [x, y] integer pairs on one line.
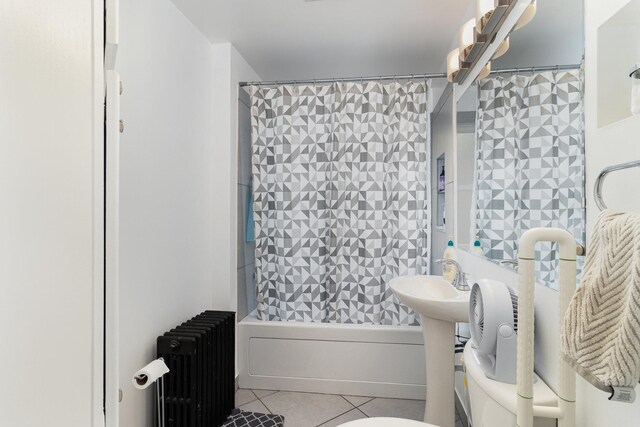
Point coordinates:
[[466, 115], [520, 142]]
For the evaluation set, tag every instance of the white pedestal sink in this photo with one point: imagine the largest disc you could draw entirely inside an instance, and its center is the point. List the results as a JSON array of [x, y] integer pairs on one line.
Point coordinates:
[[440, 306]]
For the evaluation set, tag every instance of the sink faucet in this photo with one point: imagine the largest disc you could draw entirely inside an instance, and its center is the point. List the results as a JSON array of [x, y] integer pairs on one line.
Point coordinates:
[[511, 262], [460, 280]]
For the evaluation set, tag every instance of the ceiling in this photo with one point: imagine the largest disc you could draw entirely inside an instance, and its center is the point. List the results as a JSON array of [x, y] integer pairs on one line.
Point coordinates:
[[298, 39], [302, 39]]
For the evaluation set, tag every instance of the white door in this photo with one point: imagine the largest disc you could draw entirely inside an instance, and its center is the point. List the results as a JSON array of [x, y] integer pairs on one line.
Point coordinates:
[[113, 127], [51, 213]]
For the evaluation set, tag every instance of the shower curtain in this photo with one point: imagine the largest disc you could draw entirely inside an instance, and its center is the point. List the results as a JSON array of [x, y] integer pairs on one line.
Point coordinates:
[[341, 199], [529, 163]]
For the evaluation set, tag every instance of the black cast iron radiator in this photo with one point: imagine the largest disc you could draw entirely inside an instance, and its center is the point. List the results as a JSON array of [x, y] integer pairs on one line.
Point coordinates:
[[199, 389]]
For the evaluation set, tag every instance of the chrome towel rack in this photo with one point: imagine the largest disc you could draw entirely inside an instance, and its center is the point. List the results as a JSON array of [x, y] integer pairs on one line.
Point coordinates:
[[606, 171]]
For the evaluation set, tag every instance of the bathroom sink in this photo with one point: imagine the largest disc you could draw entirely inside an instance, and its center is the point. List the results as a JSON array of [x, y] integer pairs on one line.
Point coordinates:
[[432, 297], [440, 306]]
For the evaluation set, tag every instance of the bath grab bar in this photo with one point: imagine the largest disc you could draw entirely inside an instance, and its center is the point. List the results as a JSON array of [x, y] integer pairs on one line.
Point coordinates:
[[565, 412], [580, 251], [603, 174]]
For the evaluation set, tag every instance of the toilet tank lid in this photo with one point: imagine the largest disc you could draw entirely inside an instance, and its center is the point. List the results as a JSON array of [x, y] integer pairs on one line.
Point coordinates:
[[385, 422], [505, 394]]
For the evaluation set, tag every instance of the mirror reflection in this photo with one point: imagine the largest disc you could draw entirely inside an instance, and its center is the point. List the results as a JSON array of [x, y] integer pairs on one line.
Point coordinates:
[[520, 144]]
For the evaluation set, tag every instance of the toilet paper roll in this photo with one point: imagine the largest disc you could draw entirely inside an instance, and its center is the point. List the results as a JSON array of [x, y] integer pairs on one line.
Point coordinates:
[[149, 374]]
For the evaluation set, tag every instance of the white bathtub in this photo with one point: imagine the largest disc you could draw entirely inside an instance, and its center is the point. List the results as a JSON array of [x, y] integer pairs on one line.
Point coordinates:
[[365, 360]]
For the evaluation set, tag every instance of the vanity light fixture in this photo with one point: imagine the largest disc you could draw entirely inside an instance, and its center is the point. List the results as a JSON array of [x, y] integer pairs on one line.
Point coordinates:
[[453, 65], [470, 42], [486, 70], [504, 47], [528, 15], [466, 37], [477, 34], [489, 13]]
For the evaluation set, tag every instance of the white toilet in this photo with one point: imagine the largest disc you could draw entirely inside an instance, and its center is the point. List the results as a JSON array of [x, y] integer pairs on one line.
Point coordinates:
[[493, 403], [385, 422]]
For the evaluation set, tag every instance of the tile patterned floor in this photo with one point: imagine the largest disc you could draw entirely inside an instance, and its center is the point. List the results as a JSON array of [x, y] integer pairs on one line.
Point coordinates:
[[327, 410]]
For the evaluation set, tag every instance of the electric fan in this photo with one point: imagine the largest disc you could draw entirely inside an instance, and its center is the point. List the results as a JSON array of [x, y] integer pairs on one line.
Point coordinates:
[[493, 317]]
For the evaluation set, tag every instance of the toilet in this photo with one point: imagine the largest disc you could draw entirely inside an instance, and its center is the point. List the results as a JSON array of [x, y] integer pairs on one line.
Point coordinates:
[[493, 403], [385, 422]]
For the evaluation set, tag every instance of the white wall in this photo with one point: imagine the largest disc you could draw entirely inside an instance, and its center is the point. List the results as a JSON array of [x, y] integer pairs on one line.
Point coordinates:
[[230, 69], [616, 143], [167, 188], [51, 213]]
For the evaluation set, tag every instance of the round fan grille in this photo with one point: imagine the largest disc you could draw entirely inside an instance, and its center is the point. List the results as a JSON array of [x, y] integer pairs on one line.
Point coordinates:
[[477, 324], [493, 318], [514, 306], [491, 304]]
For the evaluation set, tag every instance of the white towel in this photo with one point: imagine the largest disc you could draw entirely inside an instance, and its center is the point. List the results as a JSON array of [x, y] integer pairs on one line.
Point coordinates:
[[601, 331]]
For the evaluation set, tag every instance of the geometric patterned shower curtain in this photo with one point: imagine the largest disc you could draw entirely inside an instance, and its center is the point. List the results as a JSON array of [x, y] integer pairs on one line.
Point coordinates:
[[341, 199], [529, 163]]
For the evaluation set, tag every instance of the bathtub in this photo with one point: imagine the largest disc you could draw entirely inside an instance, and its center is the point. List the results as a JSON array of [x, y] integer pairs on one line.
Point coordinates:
[[365, 360]]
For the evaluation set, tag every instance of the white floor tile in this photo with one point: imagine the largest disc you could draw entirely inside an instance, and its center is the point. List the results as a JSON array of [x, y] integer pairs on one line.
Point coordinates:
[[394, 408], [357, 400], [306, 409], [263, 393], [244, 396], [352, 415], [255, 406]]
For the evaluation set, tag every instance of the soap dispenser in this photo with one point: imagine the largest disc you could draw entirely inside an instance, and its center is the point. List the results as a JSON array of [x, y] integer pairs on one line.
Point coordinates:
[[449, 271], [476, 249]]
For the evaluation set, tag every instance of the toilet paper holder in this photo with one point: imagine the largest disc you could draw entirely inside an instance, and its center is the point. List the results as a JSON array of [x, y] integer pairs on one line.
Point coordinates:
[[153, 373]]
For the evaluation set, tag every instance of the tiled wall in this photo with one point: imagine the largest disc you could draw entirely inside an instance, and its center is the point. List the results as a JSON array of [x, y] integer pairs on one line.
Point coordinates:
[[246, 250]]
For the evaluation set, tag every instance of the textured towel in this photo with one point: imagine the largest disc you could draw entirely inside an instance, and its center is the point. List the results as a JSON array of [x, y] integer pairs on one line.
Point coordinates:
[[601, 331]]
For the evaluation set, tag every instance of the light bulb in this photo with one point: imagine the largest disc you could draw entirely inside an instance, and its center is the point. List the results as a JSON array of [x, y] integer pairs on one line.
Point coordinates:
[[484, 9], [466, 37], [453, 64], [485, 71], [504, 47], [528, 15]]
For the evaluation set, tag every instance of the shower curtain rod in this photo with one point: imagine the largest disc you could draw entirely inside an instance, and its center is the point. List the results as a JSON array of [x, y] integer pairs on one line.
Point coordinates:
[[347, 79], [405, 76]]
